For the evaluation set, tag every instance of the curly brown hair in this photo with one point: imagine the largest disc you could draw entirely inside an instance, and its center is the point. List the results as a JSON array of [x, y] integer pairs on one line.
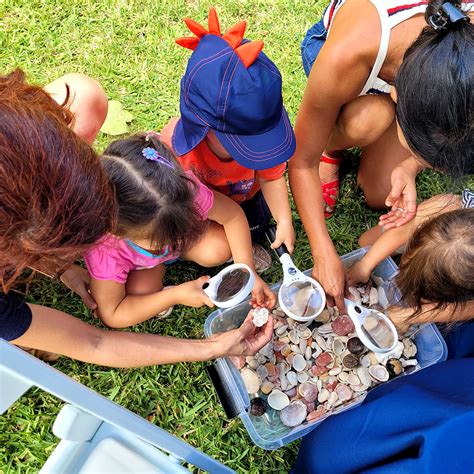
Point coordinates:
[[55, 200]]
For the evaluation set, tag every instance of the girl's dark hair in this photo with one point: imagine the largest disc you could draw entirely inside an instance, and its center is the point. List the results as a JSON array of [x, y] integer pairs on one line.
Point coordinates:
[[435, 87], [438, 265], [55, 199], [155, 200]]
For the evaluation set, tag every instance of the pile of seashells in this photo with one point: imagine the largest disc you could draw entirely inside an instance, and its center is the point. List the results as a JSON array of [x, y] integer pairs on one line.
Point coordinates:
[[308, 370]]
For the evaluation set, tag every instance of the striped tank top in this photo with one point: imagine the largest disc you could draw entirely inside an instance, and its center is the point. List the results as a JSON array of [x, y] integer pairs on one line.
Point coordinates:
[[391, 13]]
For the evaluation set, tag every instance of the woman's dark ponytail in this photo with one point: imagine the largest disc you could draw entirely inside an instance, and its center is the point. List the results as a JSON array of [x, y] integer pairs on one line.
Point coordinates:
[[435, 85]]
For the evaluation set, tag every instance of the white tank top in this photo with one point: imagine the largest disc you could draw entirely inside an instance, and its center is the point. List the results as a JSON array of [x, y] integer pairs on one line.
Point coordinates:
[[391, 13]]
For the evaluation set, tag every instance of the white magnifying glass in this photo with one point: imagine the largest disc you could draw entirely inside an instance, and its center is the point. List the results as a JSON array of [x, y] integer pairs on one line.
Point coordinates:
[[230, 286], [301, 297], [375, 329]]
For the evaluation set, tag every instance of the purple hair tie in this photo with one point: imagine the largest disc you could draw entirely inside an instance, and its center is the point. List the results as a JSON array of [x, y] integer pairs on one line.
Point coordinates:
[[152, 155]]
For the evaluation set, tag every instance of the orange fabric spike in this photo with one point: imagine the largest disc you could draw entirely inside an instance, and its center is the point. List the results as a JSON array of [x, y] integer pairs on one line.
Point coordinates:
[[248, 52], [213, 23], [196, 28], [189, 42], [235, 34]]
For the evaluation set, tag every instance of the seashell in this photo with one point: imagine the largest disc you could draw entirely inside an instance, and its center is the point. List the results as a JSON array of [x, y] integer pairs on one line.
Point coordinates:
[[338, 346], [294, 337], [286, 350], [359, 388], [344, 393], [267, 387], [332, 399], [258, 406], [325, 329], [282, 330], [383, 300], [316, 414], [332, 385], [304, 333], [409, 348], [323, 395], [342, 377], [302, 377], [335, 371], [307, 353], [356, 296], [261, 359], [278, 345], [365, 361], [252, 363], [292, 379], [251, 380], [279, 312], [350, 361], [309, 391], [316, 352], [373, 296], [324, 317], [294, 414], [238, 361], [299, 362], [309, 405], [364, 376], [394, 367], [285, 339], [260, 316], [273, 358], [355, 346], [291, 323], [262, 372], [302, 346], [295, 348], [378, 373], [324, 359], [321, 343], [352, 379], [343, 325], [278, 400], [292, 392], [290, 358], [318, 371], [409, 362], [332, 311], [319, 383]]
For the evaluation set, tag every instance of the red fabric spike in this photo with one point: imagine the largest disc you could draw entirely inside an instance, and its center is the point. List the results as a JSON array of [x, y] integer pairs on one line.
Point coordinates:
[[189, 42], [196, 28], [248, 52], [235, 34], [213, 23]]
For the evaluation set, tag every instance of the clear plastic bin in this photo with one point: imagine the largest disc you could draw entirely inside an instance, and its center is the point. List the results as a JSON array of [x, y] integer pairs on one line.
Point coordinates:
[[267, 431]]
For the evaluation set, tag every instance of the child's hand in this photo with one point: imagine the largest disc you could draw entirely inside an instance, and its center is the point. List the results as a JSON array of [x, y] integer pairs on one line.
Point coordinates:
[[285, 234], [262, 295], [192, 294], [77, 279], [358, 273]]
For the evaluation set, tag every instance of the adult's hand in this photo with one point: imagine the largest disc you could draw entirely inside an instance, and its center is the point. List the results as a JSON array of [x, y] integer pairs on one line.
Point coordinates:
[[330, 272], [77, 279], [402, 197], [245, 340]]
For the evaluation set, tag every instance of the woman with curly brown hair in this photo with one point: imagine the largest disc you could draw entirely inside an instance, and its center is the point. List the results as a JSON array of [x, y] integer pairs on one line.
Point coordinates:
[[55, 203]]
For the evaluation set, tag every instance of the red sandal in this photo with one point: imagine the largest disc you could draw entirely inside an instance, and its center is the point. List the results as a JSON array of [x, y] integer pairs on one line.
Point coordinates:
[[330, 190]]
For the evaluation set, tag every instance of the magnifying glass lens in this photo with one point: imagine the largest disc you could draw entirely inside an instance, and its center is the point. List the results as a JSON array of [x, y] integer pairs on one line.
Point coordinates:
[[377, 329], [301, 298], [231, 284]]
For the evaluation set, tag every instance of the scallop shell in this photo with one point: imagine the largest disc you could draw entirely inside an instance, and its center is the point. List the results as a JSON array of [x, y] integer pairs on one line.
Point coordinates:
[[292, 378], [294, 414], [299, 362], [335, 371], [302, 377], [292, 392], [364, 376], [338, 346], [323, 395], [294, 337], [352, 379], [251, 380], [278, 400], [378, 373], [260, 316], [343, 392], [309, 391], [342, 377]]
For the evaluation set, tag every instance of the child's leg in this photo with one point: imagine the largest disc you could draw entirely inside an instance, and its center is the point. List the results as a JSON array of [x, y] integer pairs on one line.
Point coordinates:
[[87, 101], [212, 249], [145, 282]]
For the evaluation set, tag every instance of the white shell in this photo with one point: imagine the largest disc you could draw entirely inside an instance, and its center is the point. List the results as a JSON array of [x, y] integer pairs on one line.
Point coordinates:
[[292, 378], [409, 348], [267, 350], [338, 346], [307, 353], [282, 330], [395, 354], [335, 371], [294, 337], [383, 300], [294, 414], [325, 329], [251, 380], [378, 373], [253, 363], [304, 333], [299, 362], [352, 379], [302, 377], [278, 400], [323, 395], [260, 316], [373, 296], [364, 376], [408, 362]]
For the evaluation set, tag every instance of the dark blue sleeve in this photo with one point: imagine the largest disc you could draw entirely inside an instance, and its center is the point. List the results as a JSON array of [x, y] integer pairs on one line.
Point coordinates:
[[15, 317]]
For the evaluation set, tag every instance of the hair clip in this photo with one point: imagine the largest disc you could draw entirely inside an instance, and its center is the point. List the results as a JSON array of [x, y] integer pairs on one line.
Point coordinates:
[[448, 14], [152, 155]]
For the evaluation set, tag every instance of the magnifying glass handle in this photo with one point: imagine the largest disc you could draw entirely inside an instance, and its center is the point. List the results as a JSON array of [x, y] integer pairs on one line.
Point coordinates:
[[271, 236]]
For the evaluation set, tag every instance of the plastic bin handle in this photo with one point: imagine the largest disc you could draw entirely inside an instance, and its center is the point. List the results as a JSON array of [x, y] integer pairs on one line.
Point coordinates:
[[271, 236], [223, 392]]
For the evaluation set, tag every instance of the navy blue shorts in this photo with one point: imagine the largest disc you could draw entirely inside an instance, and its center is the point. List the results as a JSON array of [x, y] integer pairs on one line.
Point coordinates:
[[312, 44], [258, 214]]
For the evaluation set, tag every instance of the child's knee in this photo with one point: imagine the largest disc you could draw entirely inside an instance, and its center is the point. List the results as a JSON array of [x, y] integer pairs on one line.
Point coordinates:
[[215, 255], [89, 104]]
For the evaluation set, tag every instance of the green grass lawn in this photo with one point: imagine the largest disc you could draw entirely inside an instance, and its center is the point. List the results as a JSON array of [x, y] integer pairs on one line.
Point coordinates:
[[129, 47]]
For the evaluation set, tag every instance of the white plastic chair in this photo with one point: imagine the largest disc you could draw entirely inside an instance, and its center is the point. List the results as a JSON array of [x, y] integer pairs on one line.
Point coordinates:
[[97, 435]]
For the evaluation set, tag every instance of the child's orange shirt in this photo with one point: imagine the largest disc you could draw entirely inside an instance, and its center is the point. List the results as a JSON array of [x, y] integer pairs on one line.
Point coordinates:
[[229, 178]]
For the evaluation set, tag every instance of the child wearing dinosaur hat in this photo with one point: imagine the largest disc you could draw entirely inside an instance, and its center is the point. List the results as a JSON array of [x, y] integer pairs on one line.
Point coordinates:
[[234, 132]]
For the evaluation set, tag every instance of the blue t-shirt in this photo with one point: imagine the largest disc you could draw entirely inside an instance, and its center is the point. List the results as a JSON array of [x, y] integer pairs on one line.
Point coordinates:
[[15, 316]]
